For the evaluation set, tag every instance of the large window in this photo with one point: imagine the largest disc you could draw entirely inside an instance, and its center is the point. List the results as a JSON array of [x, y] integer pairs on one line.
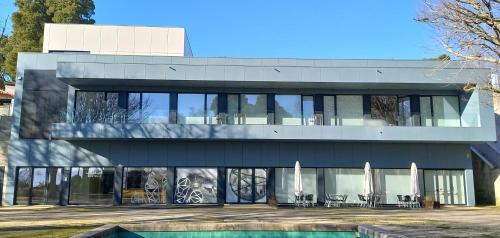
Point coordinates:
[[389, 183], [91, 185], [191, 108], [285, 192], [155, 107], [90, 107], [340, 181], [384, 110], [253, 109], [425, 111], [38, 185], [196, 185], [233, 105], [288, 110], [445, 186], [212, 109], [350, 110], [308, 118], [446, 111], [404, 112], [144, 185], [329, 111]]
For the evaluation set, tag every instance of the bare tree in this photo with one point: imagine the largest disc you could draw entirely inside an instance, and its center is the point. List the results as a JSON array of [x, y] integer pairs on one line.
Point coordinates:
[[468, 30], [3, 44]]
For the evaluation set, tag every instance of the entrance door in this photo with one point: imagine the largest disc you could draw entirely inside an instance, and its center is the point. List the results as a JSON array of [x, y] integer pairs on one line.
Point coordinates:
[[246, 185], [446, 186]]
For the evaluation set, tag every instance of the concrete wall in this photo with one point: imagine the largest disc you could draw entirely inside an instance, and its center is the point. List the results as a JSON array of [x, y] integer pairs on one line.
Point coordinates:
[[116, 40], [486, 182]]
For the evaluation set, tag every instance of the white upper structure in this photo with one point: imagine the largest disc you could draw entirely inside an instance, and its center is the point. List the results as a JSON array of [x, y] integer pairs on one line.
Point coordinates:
[[116, 40]]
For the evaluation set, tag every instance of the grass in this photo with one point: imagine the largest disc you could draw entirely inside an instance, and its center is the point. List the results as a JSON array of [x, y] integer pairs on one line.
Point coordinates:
[[45, 233]]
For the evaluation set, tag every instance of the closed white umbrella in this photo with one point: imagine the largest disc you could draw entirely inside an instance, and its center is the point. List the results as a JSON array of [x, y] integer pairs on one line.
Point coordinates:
[[368, 186], [414, 187], [298, 180]]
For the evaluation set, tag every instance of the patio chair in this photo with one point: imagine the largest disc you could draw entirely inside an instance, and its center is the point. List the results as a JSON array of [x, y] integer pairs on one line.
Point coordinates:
[[343, 200], [299, 201], [407, 200], [309, 200], [416, 202], [401, 202], [363, 201], [328, 200]]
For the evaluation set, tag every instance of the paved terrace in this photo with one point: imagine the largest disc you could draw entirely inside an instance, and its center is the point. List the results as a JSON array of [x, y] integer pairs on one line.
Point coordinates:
[[48, 221]]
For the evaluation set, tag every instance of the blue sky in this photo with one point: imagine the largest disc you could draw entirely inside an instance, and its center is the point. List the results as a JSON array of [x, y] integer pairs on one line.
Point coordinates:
[[282, 29]]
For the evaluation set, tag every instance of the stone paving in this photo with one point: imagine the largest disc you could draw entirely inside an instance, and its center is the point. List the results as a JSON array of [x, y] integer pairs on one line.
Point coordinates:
[[445, 222]]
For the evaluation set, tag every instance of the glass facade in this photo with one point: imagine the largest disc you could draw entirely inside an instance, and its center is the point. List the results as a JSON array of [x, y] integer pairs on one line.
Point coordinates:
[[445, 186], [246, 185], [446, 111], [350, 110], [384, 110], [284, 182], [144, 185], [196, 185], [344, 181], [258, 109], [288, 110], [38, 185], [91, 185], [391, 182], [253, 109]]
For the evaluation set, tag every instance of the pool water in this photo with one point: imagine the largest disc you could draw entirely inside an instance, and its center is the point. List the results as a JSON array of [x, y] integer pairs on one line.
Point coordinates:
[[231, 234]]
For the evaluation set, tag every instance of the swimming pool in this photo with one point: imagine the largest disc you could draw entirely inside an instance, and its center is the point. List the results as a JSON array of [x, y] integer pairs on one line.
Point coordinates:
[[231, 234]]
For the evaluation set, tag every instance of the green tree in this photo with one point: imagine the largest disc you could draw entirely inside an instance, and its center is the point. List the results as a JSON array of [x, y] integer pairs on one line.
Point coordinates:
[[28, 22]]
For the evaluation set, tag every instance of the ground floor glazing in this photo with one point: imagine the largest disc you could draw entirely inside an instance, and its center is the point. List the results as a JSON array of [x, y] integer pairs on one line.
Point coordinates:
[[218, 185]]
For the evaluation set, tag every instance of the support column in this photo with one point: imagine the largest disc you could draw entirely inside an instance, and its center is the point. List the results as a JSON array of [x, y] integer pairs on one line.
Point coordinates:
[[469, 188], [170, 188], [321, 185], [221, 185], [9, 186], [64, 195], [117, 185]]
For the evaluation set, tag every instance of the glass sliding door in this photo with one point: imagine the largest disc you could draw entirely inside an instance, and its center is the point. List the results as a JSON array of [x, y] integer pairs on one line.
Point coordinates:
[[350, 110], [308, 118], [445, 186], [246, 185], [288, 110], [446, 111], [389, 183], [191, 108], [253, 109], [196, 185], [329, 117], [38, 185], [23, 186], [212, 109], [344, 181], [144, 185], [284, 184], [384, 110], [91, 185]]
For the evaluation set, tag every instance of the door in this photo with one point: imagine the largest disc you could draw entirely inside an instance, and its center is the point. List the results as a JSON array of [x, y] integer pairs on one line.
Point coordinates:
[[246, 185], [446, 186]]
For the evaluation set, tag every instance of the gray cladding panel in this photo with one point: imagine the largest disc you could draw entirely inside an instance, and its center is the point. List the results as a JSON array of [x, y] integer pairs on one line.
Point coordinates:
[[236, 154]]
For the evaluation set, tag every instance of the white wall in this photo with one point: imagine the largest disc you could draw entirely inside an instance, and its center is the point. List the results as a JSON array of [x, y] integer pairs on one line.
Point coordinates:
[[116, 40]]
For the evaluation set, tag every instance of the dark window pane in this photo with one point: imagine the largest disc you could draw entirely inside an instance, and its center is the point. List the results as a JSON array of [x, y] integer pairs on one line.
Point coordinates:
[[93, 185], [23, 186], [144, 185], [288, 110], [384, 110], [329, 110]]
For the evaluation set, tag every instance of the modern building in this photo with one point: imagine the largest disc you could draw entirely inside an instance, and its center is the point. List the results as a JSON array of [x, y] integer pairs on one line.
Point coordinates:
[[126, 115]]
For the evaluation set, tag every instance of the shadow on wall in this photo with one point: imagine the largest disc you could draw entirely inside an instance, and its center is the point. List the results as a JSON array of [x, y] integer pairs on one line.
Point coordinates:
[[486, 182]]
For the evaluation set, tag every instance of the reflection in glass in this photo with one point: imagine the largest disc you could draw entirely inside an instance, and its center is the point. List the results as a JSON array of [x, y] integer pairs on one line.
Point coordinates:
[[308, 111], [90, 107], [445, 186], [191, 108], [340, 181], [329, 110], [196, 185], [285, 184], [350, 110], [91, 185], [212, 111], [425, 111], [253, 109], [288, 110], [391, 182], [232, 109], [155, 107], [116, 107], [446, 111], [404, 112], [23, 186], [384, 110], [144, 185], [260, 185], [246, 185]]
